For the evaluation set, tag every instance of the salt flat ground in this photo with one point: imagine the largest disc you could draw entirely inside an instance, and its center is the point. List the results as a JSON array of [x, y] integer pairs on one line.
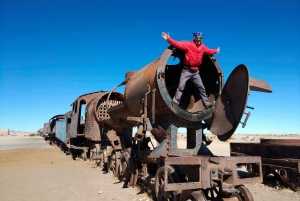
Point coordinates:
[[31, 169], [41, 172], [22, 142]]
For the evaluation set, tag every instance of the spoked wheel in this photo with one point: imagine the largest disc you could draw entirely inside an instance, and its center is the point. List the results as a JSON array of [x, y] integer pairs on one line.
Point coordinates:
[[244, 194], [193, 195], [160, 192]]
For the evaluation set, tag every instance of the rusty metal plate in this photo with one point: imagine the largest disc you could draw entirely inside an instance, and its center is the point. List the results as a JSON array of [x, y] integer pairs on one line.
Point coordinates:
[[259, 85], [231, 104], [289, 142]]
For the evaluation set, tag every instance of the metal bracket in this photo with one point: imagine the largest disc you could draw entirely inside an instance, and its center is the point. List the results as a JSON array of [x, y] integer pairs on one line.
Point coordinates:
[[136, 119], [246, 119]]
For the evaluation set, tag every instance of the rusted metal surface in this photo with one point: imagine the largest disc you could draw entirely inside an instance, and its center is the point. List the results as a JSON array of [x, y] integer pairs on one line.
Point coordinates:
[[77, 125], [231, 104], [136, 87], [95, 113], [148, 105], [103, 103], [190, 108], [164, 79], [101, 123], [293, 142], [259, 85], [269, 148], [279, 156], [114, 139], [211, 169]]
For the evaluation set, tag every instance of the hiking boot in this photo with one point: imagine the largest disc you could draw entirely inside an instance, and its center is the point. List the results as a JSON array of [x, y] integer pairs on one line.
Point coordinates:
[[209, 105]]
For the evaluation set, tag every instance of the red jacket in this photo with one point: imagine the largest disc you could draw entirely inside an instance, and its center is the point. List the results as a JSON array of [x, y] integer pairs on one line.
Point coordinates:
[[193, 52]]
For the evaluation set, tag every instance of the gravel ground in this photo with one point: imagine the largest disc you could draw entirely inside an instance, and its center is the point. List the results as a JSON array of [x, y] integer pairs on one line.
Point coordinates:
[[37, 174], [22, 142], [31, 169]]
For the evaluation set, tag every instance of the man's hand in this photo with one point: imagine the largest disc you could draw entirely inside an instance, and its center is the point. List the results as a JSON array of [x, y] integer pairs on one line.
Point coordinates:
[[218, 50], [165, 36]]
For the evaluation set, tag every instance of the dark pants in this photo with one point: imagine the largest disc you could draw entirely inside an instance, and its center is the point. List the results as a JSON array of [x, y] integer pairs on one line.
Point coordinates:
[[188, 74]]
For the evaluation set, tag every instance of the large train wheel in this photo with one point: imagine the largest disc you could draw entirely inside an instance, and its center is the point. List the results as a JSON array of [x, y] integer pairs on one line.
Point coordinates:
[[160, 193], [243, 194], [193, 195]]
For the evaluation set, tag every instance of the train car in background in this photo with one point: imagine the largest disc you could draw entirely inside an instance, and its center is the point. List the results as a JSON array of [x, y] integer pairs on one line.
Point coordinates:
[[46, 130], [49, 128], [86, 131], [280, 157], [40, 131], [62, 132]]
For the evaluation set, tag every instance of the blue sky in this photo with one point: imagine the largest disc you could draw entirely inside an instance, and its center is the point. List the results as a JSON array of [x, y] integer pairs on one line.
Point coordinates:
[[51, 52]]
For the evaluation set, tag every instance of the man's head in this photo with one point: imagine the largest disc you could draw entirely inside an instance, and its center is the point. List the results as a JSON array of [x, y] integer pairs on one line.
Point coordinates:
[[198, 37]]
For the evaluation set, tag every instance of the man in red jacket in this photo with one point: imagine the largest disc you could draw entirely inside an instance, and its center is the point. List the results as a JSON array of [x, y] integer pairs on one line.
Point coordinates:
[[194, 51]]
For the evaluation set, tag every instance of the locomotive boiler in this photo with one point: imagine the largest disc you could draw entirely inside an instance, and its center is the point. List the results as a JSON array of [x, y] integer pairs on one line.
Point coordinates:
[[191, 172]]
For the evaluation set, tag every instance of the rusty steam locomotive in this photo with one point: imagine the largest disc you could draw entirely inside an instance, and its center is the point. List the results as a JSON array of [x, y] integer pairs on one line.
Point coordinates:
[[100, 127]]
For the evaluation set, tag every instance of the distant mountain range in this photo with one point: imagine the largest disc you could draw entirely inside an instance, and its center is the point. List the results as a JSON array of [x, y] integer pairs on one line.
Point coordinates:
[[13, 131]]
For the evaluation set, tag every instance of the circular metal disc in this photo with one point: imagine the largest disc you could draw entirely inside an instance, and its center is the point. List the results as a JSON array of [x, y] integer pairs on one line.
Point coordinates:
[[231, 104]]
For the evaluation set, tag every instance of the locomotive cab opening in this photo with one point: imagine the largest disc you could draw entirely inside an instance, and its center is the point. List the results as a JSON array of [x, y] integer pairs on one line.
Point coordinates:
[[81, 119], [210, 74]]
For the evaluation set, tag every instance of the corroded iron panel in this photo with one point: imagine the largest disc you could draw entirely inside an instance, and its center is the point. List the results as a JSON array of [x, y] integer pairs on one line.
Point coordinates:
[[211, 168], [231, 104]]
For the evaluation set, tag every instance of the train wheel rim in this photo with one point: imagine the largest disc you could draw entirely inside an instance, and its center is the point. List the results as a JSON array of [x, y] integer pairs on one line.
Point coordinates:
[[235, 195], [245, 194], [196, 195], [160, 193]]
